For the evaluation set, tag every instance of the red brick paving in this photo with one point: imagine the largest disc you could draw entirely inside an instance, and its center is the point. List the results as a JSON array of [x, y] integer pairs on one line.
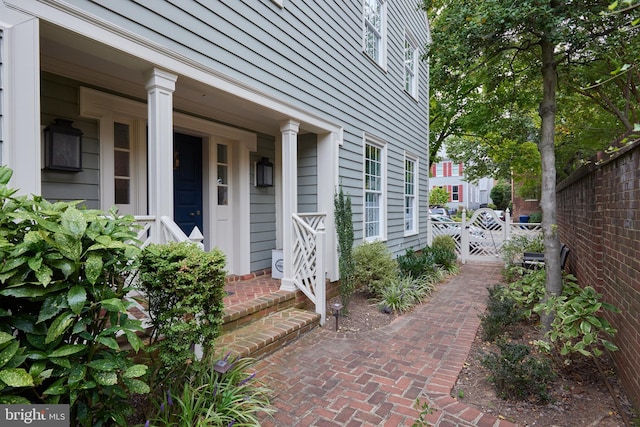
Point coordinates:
[[327, 378]]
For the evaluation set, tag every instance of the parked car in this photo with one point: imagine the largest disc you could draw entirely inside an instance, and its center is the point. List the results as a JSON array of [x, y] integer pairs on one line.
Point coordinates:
[[438, 210]]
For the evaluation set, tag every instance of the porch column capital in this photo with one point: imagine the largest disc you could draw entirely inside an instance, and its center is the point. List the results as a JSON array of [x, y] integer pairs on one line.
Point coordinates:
[[289, 126], [160, 86], [289, 129], [160, 79]]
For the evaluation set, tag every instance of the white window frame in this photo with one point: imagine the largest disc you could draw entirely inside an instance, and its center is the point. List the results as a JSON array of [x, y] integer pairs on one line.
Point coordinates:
[[439, 170], [455, 193], [377, 52], [379, 193], [410, 207], [455, 169], [410, 65]]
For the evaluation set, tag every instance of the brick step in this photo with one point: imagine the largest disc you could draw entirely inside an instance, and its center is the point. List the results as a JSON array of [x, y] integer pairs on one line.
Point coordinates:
[[239, 315], [268, 333]]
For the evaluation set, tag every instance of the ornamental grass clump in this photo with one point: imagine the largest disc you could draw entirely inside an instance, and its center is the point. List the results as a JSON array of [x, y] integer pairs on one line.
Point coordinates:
[[64, 273], [205, 397]]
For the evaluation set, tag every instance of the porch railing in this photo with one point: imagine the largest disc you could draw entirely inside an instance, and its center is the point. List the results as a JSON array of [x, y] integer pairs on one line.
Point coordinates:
[[308, 259], [169, 231]]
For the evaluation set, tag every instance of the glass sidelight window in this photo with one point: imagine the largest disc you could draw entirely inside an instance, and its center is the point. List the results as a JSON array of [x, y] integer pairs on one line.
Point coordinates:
[[223, 174], [122, 163]]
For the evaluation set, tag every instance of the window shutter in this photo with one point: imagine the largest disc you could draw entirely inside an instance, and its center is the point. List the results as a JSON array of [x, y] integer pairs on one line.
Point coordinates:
[[450, 193], [460, 191], [460, 166], [433, 170], [447, 169]]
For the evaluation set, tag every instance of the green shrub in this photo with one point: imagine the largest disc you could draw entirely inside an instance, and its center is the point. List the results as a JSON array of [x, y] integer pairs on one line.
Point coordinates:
[[63, 275], [528, 290], [578, 326], [209, 398], [502, 312], [513, 249], [535, 217], [344, 230], [518, 374], [374, 267], [443, 251], [185, 287], [416, 264]]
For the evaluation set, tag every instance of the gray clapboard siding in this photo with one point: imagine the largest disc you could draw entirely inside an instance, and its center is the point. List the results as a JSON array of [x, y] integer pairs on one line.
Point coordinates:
[[59, 99], [308, 54], [262, 211]]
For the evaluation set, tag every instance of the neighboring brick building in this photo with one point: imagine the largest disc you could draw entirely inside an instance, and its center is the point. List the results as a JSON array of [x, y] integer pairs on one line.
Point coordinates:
[[599, 219]]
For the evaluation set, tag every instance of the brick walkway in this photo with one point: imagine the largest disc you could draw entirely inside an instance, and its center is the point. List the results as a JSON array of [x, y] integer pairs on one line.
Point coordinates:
[[328, 379]]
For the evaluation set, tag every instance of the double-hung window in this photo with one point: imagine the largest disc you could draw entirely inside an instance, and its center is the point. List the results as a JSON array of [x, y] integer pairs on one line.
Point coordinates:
[[374, 191], [410, 66], [410, 200], [375, 21]]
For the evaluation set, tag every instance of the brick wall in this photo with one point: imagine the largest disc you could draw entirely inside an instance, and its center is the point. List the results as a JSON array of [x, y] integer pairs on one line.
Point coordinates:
[[599, 219]]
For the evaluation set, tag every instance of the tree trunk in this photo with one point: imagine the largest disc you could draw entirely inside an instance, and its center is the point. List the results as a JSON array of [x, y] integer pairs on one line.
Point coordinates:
[[548, 197]]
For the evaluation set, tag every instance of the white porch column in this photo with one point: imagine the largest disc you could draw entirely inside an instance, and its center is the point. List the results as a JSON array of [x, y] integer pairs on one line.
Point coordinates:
[[160, 86], [289, 130], [21, 133], [327, 180]]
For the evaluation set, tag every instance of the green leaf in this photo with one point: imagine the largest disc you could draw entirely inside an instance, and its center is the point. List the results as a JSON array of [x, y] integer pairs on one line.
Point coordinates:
[[136, 386], [93, 268], [65, 266], [102, 365], [35, 263], [31, 291], [74, 222], [68, 246], [5, 337], [108, 342], [61, 361], [14, 400], [113, 304], [67, 350], [77, 374], [5, 175], [105, 378], [609, 345], [56, 389], [77, 297], [37, 355], [51, 307], [44, 274], [7, 354], [585, 327], [16, 377], [135, 371], [13, 263], [133, 339], [59, 326]]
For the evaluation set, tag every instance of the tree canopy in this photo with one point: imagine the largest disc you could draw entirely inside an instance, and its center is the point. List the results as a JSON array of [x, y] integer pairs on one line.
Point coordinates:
[[506, 75]]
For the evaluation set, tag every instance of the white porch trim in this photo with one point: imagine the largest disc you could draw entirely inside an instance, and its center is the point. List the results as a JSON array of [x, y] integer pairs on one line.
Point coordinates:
[[21, 113], [160, 86], [289, 131]]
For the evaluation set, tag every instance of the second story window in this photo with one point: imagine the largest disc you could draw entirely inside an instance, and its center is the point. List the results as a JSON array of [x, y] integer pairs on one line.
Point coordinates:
[[375, 21], [410, 66]]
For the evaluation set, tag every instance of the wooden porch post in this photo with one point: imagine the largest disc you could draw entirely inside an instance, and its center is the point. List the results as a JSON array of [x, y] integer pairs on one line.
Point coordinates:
[[160, 86], [289, 131]]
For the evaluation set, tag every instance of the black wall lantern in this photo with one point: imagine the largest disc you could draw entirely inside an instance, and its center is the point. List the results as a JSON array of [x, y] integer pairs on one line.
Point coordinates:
[[264, 173], [62, 147]]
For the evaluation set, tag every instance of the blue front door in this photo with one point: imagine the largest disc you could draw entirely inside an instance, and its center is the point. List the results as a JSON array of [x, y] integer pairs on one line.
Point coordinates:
[[187, 182]]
